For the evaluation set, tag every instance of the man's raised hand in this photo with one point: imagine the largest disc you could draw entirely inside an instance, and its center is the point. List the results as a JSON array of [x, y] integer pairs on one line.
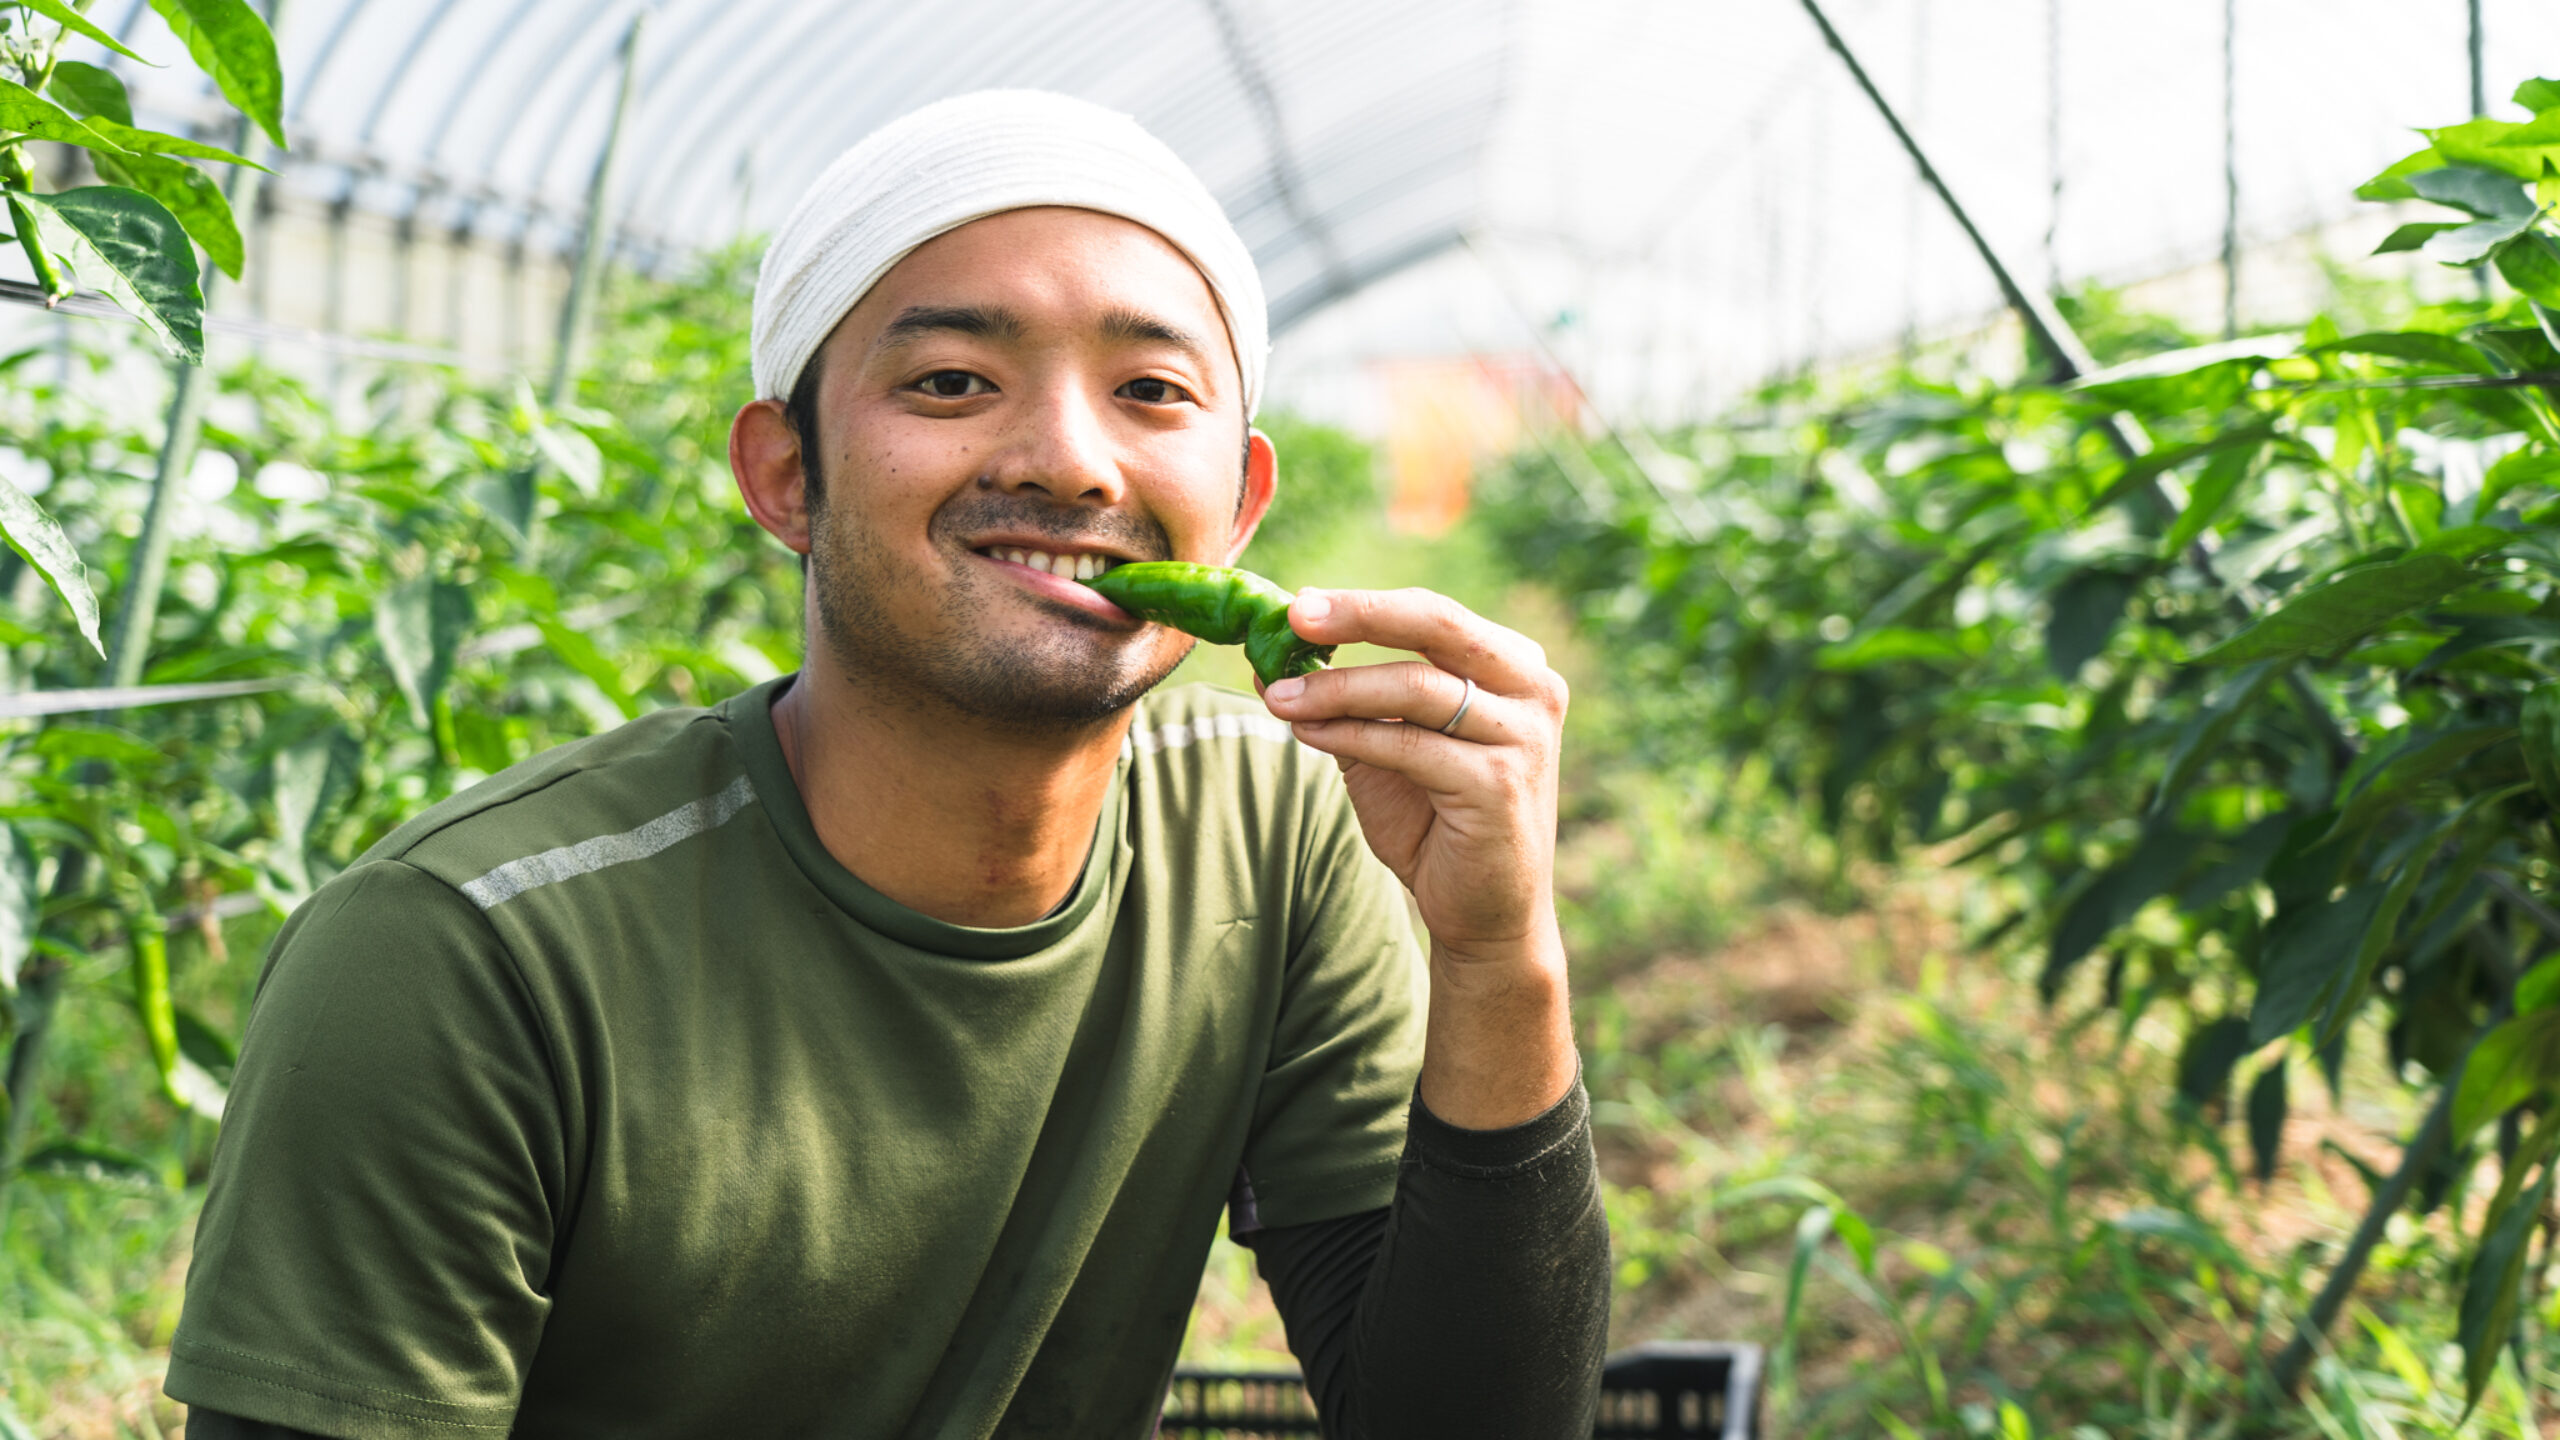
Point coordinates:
[[1466, 819]]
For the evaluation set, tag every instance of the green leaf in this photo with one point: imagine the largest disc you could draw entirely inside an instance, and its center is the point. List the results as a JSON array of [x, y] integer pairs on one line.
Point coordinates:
[[2538, 95], [24, 110], [2393, 182], [2206, 1060], [208, 1047], [2490, 1296], [153, 142], [2539, 724], [2308, 948], [2141, 471], [2413, 235], [2539, 987], [2345, 998], [420, 622], [303, 779], [2424, 347], [2202, 735], [2470, 244], [2512, 1064], [2086, 609], [2500, 146], [1812, 1228], [2465, 542], [2112, 898], [2213, 489], [189, 194], [583, 655], [79, 24], [2487, 193], [2266, 1118], [1884, 646], [91, 1162], [231, 43], [91, 92], [2329, 616], [130, 247], [34, 534], [1858, 1236], [2532, 265], [2422, 757]]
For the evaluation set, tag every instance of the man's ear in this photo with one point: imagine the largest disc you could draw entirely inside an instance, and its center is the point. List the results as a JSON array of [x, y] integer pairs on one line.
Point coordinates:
[[1261, 482], [764, 455]]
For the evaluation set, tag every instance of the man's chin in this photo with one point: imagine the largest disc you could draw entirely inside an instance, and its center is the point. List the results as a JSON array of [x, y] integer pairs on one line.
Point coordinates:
[[1048, 687]]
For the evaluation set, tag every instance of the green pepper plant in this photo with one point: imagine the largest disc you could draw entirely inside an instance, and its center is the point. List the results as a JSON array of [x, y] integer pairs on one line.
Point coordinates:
[[134, 236], [2257, 718]]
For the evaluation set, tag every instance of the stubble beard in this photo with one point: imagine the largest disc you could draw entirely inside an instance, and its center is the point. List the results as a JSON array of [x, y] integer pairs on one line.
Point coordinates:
[[1042, 685]]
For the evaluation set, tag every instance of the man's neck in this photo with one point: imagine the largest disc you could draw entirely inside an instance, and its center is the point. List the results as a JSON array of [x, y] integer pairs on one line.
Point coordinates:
[[967, 823]]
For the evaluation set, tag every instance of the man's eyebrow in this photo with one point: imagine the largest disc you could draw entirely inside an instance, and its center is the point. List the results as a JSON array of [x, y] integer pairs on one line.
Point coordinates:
[[1138, 327], [986, 322]]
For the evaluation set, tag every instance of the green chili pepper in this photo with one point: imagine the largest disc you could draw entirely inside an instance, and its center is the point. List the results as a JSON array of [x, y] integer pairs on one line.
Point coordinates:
[[1221, 606]]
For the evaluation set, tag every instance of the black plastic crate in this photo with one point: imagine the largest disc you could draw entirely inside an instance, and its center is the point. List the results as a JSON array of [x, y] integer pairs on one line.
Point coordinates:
[[1668, 1390]]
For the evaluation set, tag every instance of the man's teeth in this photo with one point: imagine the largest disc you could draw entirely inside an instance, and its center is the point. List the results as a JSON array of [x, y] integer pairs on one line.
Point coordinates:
[[1065, 567]]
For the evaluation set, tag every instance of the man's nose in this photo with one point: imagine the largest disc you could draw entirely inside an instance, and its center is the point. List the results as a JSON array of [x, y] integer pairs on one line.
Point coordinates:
[[1061, 448]]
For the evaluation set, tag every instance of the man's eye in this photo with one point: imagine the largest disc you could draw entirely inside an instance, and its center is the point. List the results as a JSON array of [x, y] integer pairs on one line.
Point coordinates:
[[954, 385], [1151, 391]]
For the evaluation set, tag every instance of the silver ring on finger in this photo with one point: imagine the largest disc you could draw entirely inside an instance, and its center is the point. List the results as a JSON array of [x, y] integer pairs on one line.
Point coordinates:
[[1465, 700]]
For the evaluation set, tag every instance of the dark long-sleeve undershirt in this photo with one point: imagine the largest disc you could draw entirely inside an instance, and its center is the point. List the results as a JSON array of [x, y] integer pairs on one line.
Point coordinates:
[[1476, 1304]]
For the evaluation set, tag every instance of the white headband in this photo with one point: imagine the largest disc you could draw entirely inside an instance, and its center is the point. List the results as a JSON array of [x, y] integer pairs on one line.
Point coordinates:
[[936, 169]]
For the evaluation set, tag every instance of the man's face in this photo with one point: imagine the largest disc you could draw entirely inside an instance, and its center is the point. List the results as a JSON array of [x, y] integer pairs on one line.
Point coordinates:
[[1042, 388]]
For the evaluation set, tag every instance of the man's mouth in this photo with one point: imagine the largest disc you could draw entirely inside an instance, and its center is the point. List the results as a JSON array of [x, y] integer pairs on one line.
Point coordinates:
[[1065, 564]]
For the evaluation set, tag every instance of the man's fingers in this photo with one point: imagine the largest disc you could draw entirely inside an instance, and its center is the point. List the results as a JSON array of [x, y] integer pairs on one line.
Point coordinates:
[[1408, 690], [1434, 626], [1433, 761]]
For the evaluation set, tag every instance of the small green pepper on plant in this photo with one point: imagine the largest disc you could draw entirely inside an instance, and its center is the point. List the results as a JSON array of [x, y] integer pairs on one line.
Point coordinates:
[[1219, 605]]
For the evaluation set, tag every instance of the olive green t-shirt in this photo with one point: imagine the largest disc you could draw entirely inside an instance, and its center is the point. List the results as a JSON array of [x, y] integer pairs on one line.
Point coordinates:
[[601, 1101]]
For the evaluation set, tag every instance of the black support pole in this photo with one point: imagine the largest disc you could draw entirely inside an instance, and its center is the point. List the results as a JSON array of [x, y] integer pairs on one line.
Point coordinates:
[[2479, 107], [2045, 326]]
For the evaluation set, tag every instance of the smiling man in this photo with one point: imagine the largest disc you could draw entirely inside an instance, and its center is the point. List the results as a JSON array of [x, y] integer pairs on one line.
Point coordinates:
[[876, 1053]]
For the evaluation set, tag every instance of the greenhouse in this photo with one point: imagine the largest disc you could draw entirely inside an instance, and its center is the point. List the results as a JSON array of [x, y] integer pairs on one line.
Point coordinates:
[[2041, 916]]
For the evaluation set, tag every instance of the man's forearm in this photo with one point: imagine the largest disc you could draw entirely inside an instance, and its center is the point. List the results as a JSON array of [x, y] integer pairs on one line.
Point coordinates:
[[1498, 1050], [1478, 1304]]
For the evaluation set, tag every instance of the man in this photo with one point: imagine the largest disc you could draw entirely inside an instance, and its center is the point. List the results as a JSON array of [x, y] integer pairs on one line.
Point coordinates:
[[873, 1054]]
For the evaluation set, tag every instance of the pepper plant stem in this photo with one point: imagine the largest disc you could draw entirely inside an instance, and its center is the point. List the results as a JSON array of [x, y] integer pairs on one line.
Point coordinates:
[[2298, 1352]]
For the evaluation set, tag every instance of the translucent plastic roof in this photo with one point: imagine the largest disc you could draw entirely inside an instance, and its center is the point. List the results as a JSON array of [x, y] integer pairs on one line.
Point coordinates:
[[1668, 196]]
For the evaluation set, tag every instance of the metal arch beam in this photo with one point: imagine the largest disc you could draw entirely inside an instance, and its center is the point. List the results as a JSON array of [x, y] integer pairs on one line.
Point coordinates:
[[1452, 162], [1285, 178], [674, 142], [729, 112], [461, 93], [680, 48], [603, 73], [1448, 139], [788, 88], [1289, 310], [400, 68], [584, 24], [1178, 119], [328, 53]]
